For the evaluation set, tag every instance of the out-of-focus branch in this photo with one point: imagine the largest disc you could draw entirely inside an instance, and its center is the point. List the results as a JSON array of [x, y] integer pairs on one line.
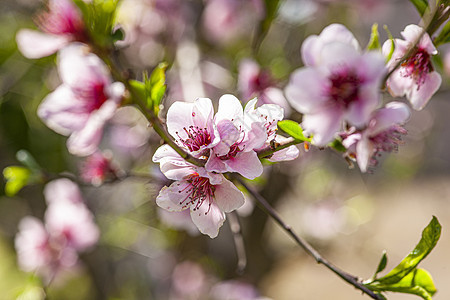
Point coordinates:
[[267, 208]]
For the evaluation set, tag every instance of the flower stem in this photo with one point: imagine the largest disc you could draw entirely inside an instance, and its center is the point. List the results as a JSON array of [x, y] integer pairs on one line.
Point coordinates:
[[265, 206]]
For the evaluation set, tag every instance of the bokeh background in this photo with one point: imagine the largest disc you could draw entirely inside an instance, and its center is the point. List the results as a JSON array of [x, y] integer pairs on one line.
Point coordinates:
[[348, 216]]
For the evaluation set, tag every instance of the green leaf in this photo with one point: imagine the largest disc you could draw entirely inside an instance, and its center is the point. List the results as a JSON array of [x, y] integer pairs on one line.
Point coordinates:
[[118, 35], [374, 42], [391, 38], [430, 236], [139, 87], [418, 282], [99, 17], [338, 146], [444, 35], [16, 178], [158, 85], [381, 264], [293, 129], [421, 5]]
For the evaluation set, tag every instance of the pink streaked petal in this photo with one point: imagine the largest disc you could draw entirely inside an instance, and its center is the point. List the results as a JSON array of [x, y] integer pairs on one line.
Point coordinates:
[[85, 141], [255, 137], [34, 44], [203, 112], [313, 45], [419, 96], [398, 84], [170, 197], [323, 125], [229, 134], [62, 190], [246, 163], [364, 151], [228, 197], [338, 55], [61, 111], [310, 50], [78, 67], [286, 154], [384, 118], [208, 219], [179, 116], [215, 164], [230, 108], [306, 91], [214, 178], [400, 48], [412, 32]]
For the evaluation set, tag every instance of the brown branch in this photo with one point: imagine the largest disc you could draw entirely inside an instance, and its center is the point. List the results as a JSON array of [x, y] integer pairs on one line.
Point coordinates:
[[265, 206]]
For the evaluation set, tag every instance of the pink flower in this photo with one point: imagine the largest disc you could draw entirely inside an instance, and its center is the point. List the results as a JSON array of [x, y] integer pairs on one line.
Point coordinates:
[[235, 290], [226, 21], [69, 228], [192, 126], [97, 167], [62, 24], [84, 101], [338, 84], [67, 218], [269, 115], [383, 134], [415, 77], [239, 136], [254, 82], [208, 196]]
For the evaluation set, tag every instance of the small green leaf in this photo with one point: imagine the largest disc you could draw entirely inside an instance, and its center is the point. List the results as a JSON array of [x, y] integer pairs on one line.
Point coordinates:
[[16, 178], [338, 146], [421, 5], [381, 264], [430, 236], [391, 38], [140, 88], [293, 129], [158, 85], [418, 282], [374, 42]]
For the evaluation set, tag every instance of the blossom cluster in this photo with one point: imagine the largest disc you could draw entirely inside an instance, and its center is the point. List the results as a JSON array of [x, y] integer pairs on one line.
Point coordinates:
[[338, 90], [227, 141], [69, 228]]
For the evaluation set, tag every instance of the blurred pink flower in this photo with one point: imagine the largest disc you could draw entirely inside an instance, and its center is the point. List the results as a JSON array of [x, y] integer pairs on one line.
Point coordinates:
[[207, 195], [84, 101], [97, 167], [383, 134], [226, 21], [338, 84], [62, 24], [67, 217], [69, 228], [254, 82], [189, 281], [415, 77], [239, 134], [235, 290]]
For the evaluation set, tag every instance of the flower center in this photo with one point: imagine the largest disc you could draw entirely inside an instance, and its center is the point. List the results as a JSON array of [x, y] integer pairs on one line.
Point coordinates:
[[93, 94], [196, 138], [234, 150], [417, 67], [344, 87], [261, 82], [198, 190]]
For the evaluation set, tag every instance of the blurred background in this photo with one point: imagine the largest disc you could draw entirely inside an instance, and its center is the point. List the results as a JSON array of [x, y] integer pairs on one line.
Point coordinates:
[[143, 253]]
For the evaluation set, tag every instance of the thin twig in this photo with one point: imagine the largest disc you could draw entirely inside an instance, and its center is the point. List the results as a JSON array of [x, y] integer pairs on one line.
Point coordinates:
[[267, 208], [235, 227]]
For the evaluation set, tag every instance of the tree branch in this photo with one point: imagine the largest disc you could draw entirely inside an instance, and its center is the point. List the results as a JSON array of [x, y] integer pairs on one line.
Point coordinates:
[[265, 206]]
